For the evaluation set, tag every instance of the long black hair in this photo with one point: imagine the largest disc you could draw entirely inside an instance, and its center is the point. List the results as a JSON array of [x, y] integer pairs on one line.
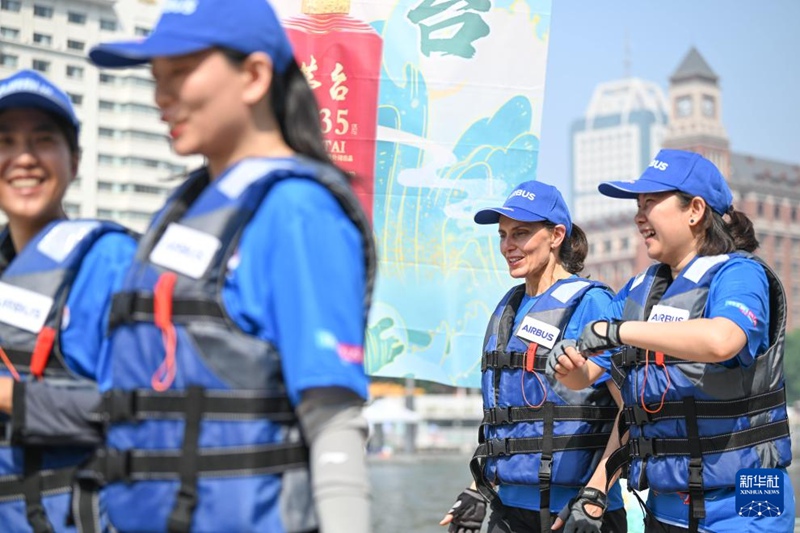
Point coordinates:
[[295, 108]]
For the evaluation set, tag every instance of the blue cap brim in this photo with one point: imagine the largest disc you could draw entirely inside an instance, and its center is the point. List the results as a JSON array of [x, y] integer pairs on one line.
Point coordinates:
[[131, 53], [631, 190], [492, 215], [36, 101]]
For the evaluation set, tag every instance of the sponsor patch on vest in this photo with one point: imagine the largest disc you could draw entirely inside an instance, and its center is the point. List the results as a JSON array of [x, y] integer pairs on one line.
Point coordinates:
[[185, 250], [666, 313], [63, 238], [22, 308], [533, 330]]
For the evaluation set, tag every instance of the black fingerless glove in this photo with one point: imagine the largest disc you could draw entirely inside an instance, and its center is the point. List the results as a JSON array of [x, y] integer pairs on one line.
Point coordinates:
[[468, 512], [592, 342], [577, 519]]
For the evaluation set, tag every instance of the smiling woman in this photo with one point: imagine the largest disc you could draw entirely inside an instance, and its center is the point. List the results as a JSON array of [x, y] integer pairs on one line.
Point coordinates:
[[525, 410], [56, 279]]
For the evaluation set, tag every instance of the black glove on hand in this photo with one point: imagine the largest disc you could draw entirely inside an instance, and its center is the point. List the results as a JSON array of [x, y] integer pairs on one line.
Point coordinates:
[[592, 342], [468, 512], [555, 353], [575, 517]]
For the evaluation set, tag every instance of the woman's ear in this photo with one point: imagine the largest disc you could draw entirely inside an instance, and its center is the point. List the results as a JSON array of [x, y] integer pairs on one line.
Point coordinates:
[[257, 71], [557, 235], [697, 210]]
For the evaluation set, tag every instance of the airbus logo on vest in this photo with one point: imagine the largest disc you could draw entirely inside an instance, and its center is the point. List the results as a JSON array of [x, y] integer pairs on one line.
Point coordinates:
[[22, 308], [658, 165], [185, 250], [666, 313], [525, 194], [541, 333]]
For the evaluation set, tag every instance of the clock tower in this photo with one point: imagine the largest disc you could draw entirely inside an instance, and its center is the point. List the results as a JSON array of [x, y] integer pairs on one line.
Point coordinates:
[[695, 112]]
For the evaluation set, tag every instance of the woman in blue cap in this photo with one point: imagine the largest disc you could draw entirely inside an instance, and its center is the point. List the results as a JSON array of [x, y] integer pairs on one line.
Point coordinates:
[[56, 280], [696, 344], [235, 361], [540, 441]]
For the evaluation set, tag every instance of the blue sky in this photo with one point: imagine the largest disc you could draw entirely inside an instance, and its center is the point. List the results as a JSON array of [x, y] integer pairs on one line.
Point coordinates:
[[752, 45]]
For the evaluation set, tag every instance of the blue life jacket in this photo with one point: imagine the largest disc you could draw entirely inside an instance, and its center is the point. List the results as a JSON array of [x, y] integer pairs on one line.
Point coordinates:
[[35, 482], [208, 441], [536, 431], [694, 425]]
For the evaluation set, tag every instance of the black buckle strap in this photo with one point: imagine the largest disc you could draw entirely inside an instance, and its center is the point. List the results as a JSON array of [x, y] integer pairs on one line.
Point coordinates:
[[122, 406], [50, 482], [180, 519], [110, 465], [546, 464], [635, 414], [746, 438], [507, 415], [21, 359], [31, 487], [127, 307], [512, 446], [510, 360]]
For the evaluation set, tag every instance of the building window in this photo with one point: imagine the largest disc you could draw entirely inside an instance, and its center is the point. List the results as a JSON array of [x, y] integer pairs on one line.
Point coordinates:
[[45, 12], [107, 133], [74, 72], [760, 208], [141, 82], [108, 25], [10, 5], [105, 213], [41, 65], [72, 209], [140, 31], [683, 106], [8, 60], [625, 243], [76, 99], [776, 212], [43, 39], [105, 105], [9, 33], [606, 246], [105, 186], [76, 18], [107, 78], [76, 45], [709, 105]]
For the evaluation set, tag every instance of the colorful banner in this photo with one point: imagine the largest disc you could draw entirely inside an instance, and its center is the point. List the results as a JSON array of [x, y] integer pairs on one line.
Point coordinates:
[[460, 86]]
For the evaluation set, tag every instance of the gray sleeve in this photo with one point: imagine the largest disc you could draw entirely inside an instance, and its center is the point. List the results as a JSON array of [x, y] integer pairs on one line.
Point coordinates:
[[56, 414], [337, 433]]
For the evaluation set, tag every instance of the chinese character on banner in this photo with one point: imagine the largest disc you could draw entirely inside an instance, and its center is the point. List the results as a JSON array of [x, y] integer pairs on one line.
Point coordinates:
[[344, 71]]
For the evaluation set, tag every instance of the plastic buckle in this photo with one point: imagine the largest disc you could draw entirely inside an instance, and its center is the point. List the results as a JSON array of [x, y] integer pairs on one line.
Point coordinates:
[[37, 518], [642, 447], [121, 406], [501, 415], [180, 519], [545, 469], [497, 447], [636, 415], [115, 465]]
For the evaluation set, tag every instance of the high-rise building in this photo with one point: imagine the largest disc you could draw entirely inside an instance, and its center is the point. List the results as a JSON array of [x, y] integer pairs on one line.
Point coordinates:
[[767, 191], [126, 159], [622, 130]]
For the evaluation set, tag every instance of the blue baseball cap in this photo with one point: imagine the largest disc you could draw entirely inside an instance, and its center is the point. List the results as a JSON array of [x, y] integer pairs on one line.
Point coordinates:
[[677, 170], [188, 26], [28, 88], [530, 201]]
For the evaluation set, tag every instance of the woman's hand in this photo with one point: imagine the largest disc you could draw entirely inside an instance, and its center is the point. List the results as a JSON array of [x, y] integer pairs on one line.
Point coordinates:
[[467, 513]]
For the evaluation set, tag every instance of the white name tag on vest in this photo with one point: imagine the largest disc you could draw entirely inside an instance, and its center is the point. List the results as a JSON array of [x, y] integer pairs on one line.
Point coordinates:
[[533, 330], [185, 250], [665, 313], [22, 308]]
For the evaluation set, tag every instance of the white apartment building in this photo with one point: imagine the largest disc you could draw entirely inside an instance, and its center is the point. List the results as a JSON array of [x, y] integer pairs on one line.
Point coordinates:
[[623, 129], [127, 162]]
